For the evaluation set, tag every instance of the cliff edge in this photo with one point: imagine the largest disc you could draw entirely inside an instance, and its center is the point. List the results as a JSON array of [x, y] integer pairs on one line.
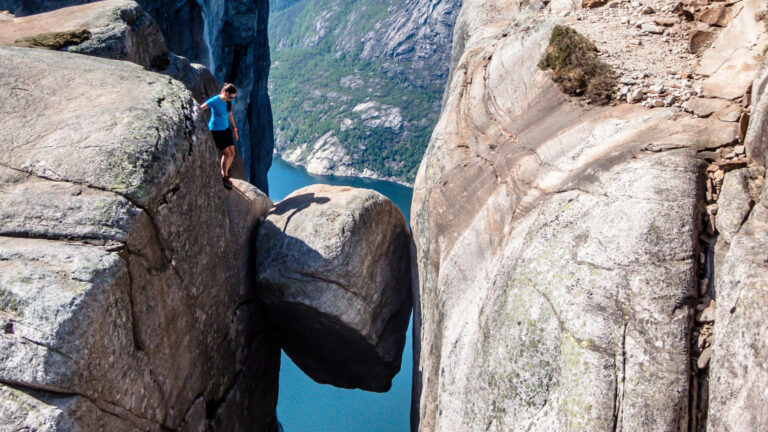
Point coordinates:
[[113, 290], [563, 247]]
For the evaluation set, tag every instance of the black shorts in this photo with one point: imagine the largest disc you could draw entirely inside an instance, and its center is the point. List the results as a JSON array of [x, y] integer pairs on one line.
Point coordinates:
[[222, 138]]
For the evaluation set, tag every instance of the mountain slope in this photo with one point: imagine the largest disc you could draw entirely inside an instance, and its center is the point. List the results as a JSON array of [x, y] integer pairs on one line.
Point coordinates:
[[356, 85]]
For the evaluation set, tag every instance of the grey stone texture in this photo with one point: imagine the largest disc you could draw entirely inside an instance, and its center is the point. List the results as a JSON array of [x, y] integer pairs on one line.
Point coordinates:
[[739, 365], [734, 203], [416, 33], [121, 30], [230, 38], [124, 303], [731, 64], [333, 266], [556, 245]]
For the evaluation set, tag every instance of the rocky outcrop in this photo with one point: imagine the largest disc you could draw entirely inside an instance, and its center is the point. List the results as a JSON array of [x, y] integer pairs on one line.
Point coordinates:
[[732, 61], [235, 48], [558, 244], [328, 156], [374, 114], [417, 34], [120, 30], [182, 22], [117, 245], [333, 266], [738, 368]]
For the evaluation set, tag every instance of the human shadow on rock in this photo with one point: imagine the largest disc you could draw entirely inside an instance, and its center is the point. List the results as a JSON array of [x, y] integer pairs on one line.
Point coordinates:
[[296, 204]]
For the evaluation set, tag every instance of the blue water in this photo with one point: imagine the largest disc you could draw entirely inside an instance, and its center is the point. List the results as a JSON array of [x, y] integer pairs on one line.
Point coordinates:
[[306, 406]]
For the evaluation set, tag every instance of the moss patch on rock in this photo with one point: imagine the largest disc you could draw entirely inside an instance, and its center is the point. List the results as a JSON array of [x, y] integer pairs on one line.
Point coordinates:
[[577, 69], [9, 302], [54, 41]]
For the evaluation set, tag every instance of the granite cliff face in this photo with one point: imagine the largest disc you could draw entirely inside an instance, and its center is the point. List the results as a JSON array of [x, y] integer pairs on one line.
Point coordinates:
[[739, 376], [230, 37], [357, 84], [118, 30], [565, 250], [128, 299], [239, 53], [412, 38], [113, 287]]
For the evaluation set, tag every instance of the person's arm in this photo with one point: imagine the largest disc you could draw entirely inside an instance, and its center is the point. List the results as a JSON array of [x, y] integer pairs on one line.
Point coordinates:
[[234, 126], [204, 106]]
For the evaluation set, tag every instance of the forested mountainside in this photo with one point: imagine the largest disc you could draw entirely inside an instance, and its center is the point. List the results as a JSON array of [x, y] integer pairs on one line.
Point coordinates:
[[356, 85]]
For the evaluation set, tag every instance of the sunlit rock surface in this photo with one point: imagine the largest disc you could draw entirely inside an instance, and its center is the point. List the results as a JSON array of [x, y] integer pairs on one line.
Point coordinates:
[[120, 30], [227, 36], [124, 302], [556, 245], [333, 266], [739, 372]]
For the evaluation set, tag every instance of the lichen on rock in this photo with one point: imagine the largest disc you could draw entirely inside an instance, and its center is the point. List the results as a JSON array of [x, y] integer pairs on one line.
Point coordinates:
[[55, 40]]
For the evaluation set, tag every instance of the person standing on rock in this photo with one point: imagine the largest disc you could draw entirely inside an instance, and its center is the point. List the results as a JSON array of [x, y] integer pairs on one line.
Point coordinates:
[[221, 119]]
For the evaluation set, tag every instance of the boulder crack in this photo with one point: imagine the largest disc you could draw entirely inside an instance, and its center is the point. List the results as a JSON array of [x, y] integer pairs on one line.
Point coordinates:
[[326, 280], [620, 374], [160, 241], [137, 344], [107, 407]]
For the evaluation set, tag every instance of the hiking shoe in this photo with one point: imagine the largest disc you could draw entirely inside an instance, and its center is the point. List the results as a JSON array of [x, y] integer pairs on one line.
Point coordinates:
[[227, 182]]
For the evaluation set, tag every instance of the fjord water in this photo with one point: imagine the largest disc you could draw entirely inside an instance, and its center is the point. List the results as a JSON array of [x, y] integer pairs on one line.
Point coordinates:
[[306, 406]]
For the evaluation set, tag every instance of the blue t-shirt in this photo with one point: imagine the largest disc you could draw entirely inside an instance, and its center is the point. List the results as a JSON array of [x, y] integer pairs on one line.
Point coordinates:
[[219, 114]]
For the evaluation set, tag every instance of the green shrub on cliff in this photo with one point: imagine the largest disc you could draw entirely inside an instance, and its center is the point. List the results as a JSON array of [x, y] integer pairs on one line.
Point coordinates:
[[577, 69], [54, 41]]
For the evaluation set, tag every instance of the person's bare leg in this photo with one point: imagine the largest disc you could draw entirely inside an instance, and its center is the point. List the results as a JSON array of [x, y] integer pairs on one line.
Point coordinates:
[[224, 167], [230, 155]]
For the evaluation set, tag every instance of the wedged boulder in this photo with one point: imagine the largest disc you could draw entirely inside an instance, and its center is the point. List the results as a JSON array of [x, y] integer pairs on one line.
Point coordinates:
[[124, 302], [739, 365], [119, 30], [333, 268]]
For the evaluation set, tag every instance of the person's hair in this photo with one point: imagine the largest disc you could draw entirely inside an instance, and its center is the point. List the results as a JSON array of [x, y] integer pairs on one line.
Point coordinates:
[[229, 88]]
